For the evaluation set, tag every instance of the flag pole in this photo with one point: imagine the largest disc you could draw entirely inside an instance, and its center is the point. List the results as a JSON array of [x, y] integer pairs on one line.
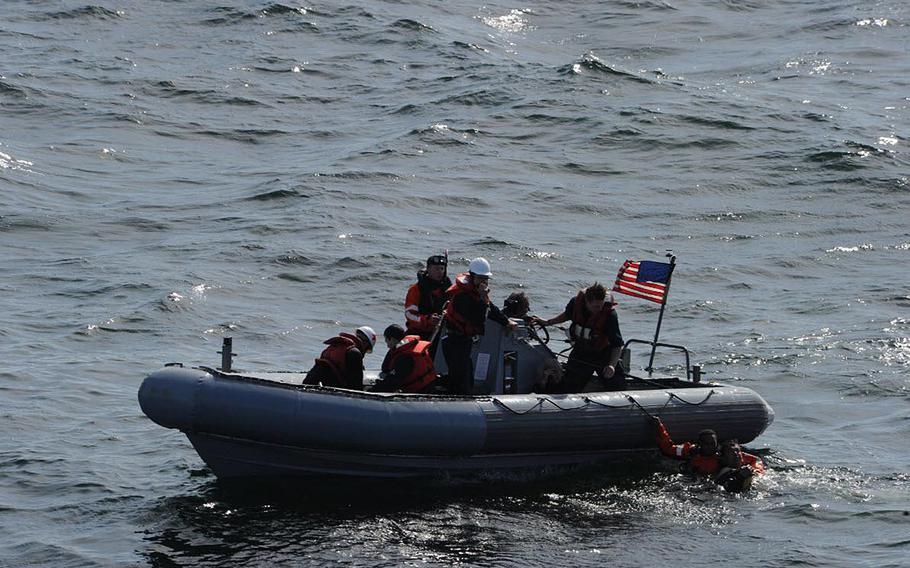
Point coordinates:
[[660, 318]]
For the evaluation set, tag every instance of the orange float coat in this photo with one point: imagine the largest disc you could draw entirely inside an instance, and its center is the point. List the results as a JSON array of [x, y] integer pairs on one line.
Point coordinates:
[[705, 465], [460, 322], [421, 373], [335, 356], [424, 299]]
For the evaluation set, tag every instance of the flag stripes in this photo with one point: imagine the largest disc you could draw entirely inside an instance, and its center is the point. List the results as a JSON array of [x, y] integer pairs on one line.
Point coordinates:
[[643, 279]]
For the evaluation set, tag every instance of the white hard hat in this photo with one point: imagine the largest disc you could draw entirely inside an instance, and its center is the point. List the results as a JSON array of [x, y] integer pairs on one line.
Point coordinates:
[[480, 267], [368, 332]]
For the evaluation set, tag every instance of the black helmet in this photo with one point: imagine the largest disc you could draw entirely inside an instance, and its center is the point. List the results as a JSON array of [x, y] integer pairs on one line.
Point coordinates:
[[437, 260]]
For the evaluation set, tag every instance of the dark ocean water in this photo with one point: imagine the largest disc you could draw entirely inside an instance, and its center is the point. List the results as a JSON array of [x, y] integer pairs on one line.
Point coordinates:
[[172, 172]]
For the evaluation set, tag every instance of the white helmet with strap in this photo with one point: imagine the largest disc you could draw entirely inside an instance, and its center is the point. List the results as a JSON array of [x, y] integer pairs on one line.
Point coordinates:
[[369, 334], [480, 267]]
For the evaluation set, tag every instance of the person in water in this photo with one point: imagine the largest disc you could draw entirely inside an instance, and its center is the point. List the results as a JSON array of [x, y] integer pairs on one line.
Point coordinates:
[[341, 363], [407, 366], [727, 465], [596, 340], [425, 299], [466, 314], [737, 468]]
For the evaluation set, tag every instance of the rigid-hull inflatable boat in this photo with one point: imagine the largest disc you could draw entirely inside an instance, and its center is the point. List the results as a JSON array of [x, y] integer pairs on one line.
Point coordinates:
[[246, 424]]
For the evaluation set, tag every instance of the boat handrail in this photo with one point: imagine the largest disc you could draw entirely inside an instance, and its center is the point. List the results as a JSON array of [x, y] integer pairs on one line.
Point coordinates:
[[653, 345]]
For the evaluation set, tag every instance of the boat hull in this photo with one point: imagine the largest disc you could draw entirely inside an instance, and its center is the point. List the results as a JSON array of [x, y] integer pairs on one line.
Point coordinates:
[[244, 426]]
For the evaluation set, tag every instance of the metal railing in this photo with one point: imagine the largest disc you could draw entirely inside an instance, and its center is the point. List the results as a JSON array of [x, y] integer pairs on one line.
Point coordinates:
[[693, 373]]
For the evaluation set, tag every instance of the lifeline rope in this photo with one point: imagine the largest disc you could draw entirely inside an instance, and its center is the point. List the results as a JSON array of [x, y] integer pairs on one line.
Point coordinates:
[[704, 400], [589, 401], [518, 412], [543, 399], [540, 401], [553, 402], [605, 405], [642, 408]]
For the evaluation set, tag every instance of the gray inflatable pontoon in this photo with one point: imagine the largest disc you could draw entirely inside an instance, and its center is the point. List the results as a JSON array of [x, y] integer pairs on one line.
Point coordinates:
[[268, 424]]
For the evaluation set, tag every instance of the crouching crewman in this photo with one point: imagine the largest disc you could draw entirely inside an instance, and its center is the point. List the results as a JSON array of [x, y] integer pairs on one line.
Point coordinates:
[[407, 366], [341, 363]]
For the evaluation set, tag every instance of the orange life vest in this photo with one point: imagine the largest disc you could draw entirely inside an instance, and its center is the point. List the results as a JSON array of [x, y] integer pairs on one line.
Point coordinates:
[[589, 330], [705, 465], [696, 462], [334, 356], [455, 320], [424, 299], [419, 351]]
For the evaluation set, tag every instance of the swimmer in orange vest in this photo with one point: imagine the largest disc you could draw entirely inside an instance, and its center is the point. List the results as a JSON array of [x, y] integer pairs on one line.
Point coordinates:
[[727, 464]]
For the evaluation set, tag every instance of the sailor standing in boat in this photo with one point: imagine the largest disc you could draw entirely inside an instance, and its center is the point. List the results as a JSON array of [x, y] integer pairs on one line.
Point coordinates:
[[425, 299], [596, 340], [465, 316], [341, 363]]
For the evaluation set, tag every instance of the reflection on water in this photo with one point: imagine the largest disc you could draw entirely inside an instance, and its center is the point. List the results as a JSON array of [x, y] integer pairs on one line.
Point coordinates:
[[590, 514], [477, 521]]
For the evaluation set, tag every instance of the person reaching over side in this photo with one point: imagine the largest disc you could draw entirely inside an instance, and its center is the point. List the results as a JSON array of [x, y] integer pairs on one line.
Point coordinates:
[[596, 340]]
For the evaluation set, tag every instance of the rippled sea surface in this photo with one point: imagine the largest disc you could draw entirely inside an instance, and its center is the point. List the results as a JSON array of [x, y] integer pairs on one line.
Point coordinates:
[[172, 172]]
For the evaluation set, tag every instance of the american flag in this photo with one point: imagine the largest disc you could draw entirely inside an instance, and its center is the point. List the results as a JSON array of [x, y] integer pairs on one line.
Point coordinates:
[[644, 279]]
